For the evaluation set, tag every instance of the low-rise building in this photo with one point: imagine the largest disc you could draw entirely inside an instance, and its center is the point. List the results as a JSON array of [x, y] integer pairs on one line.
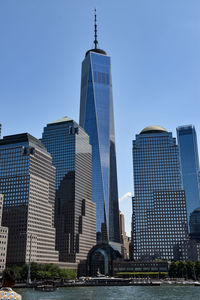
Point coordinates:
[[120, 266]]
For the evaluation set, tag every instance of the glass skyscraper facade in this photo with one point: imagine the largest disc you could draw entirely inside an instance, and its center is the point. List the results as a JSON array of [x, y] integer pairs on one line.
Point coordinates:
[[96, 117], [195, 224], [27, 181], [75, 213], [189, 160], [159, 208]]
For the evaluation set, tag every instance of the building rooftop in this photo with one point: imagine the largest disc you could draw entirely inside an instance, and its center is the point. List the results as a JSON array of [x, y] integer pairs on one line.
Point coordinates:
[[153, 129], [62, 120], [20, 138], [65, 120], [99, 51]]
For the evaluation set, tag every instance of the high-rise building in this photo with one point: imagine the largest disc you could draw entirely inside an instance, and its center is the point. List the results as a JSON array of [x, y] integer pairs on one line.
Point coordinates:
[[27, 180], [189, 159], [160, 218], [190, 249], [97, 118], [125, 240], [3, 239], [195, 225], [75, 213]]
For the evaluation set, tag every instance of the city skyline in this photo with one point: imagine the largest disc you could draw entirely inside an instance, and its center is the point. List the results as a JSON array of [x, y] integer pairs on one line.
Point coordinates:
[[155, 67]]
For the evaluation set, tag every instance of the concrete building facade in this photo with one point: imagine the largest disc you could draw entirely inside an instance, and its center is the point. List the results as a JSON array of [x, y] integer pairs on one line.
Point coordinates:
[[3, 239], [27, 180], [125, 241]]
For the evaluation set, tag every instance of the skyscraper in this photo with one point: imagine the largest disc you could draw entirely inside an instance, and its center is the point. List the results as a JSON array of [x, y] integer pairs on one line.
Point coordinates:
[[189, 159], [195, 224], [27, 180], [96, 117], [75, 213], [159, 208]]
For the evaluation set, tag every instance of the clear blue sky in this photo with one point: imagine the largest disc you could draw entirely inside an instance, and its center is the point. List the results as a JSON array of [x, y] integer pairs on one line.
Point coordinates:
[[155, 50]]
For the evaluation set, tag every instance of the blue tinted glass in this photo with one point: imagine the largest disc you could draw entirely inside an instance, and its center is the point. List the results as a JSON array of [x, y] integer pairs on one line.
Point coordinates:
[[61, 145], [96, 117], [189, 166]]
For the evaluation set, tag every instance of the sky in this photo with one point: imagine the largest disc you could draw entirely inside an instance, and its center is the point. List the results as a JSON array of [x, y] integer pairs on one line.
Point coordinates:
[[155, 50]]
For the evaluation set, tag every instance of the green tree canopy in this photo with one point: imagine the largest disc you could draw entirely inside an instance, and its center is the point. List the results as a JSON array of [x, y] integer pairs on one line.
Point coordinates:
[[43, 271]]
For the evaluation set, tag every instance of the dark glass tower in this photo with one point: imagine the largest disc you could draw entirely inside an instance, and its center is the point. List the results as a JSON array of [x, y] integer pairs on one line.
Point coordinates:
[[75, 213], [189, 159], [159, 208], [96, 117], [195, 225]]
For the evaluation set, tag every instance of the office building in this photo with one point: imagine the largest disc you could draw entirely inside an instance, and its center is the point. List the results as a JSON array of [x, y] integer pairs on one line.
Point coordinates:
[[187, 250], [125, 241], [189, 159], [3, 239], [27, 180], [75, 213], [190, 249], [97, 118], [194, 223], [159, 208]]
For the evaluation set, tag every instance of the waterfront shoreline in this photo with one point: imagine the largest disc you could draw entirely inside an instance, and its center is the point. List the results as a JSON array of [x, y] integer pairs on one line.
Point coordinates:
[[108, 282]]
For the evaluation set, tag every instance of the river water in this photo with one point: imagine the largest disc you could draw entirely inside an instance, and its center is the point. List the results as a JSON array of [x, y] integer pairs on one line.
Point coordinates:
[[169, 292]]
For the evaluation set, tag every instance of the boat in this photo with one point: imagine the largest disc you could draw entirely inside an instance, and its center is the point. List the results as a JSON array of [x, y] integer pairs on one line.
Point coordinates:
[[99, 274], [46, 286]]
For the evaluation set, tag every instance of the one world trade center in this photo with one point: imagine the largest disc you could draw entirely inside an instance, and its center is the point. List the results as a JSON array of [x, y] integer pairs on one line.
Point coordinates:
[[96, 117]]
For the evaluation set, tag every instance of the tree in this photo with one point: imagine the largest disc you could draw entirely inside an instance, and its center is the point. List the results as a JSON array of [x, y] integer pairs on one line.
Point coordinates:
[[197, 269], [190, 269], [173, 269], [181, 269], [43, 271], [43, 274]]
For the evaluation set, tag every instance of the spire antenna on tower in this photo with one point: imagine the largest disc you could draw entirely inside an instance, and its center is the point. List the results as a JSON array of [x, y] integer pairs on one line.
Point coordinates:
[[95, 29]]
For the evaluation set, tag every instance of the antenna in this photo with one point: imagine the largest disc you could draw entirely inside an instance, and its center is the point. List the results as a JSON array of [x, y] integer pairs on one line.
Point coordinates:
[[95, 29]]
